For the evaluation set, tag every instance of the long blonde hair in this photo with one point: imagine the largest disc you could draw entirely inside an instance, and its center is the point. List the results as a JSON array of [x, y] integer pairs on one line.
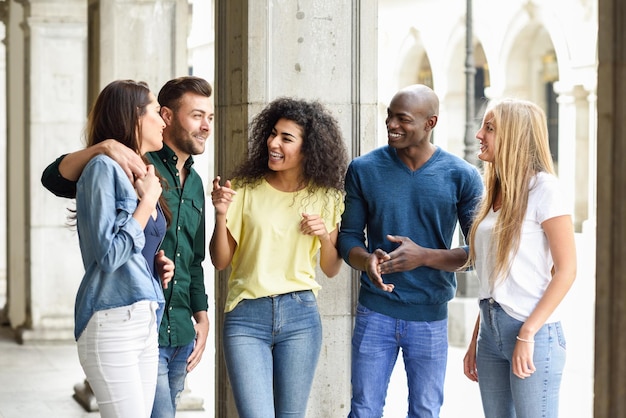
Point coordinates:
[[521, 151]]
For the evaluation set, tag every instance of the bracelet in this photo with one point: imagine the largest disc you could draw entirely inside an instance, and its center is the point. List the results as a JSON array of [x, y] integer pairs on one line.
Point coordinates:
[[524, 340]]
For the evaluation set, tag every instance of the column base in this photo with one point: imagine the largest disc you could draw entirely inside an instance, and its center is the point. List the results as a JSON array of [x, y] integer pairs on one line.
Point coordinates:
[[462, 314]]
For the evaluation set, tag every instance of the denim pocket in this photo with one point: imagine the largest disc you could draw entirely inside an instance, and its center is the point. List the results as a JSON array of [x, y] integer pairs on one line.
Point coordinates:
[[362, 310], [306, 298], [113, 317], [560, 335]]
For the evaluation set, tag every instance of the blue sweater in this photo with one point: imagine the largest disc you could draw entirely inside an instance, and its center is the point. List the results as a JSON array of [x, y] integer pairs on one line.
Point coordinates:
[[384, 197]]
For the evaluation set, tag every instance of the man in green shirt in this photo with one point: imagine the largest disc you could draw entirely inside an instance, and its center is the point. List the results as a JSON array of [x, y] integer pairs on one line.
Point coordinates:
[[187, 110]]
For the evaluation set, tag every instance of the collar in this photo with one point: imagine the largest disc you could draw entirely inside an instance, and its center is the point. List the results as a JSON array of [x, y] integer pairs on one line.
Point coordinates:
[[167, 155]]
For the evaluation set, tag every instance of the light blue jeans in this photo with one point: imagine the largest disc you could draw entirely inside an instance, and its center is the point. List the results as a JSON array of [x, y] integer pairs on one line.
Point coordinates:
[[170, 379], [376, 342], [271, 347], [503, 394]]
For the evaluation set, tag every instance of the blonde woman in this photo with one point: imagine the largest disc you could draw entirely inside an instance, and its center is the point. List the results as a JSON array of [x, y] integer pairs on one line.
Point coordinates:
[[522, 248]]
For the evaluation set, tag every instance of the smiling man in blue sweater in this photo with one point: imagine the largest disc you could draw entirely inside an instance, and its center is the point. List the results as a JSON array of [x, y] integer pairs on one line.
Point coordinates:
[[406, 193]]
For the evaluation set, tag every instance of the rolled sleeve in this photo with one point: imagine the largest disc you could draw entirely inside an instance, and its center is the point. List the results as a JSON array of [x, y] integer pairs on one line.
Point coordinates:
[[52, 180]]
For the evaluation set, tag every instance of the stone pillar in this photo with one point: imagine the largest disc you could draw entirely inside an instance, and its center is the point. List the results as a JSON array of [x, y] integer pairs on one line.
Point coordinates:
[[592, 155], [581, 159], [314, 50], [566, 166], [46, 114], [15, 310], [137, 39], [575, 133], [3, 173], [610, 339]]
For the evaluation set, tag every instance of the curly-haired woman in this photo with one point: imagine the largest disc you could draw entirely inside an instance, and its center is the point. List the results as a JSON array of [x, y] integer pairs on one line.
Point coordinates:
[[283, 209]]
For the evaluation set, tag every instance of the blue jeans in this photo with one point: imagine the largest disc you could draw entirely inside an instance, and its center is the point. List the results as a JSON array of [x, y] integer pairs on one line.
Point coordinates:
[[170, 379], [271, 347], [503, 394], [376, 342]]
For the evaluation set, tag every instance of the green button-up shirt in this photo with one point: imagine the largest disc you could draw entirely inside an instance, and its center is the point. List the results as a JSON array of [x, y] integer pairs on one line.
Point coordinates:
[[184, 242]]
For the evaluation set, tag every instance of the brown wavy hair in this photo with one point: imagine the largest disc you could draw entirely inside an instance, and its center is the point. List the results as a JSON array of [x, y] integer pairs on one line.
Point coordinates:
[[115, 114]]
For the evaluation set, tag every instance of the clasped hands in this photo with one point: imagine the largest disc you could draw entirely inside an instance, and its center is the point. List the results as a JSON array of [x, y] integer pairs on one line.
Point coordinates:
[[407, 256]]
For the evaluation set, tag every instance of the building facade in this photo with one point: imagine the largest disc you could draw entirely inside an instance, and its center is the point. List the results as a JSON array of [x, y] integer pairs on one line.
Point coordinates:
[[351, 55]]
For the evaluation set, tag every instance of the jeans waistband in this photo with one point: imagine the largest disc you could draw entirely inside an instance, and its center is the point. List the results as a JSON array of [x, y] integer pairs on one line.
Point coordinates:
[[289, 293], [489, 301]]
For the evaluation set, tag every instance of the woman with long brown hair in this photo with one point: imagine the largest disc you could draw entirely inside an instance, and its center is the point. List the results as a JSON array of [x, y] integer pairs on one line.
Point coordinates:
[[120, 227]]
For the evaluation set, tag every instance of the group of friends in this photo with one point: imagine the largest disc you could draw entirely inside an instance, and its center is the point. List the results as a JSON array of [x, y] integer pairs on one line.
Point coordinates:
[[296, 202]]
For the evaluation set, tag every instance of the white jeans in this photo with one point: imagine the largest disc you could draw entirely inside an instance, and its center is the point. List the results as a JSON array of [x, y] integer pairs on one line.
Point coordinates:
[[119, 353]]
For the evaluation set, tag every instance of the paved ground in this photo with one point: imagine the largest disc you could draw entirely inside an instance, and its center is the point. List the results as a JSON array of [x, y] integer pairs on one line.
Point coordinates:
[[37, 380]]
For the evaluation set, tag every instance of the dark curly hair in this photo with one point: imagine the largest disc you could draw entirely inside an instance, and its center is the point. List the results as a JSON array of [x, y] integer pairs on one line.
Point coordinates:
[[325, 153]]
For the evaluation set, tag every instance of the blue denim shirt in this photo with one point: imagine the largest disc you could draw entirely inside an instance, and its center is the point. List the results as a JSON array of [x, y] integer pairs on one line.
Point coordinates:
[[111, 240]]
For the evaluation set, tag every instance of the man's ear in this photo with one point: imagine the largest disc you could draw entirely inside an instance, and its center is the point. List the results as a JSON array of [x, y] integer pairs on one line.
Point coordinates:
[[431, 122], [167, 115]]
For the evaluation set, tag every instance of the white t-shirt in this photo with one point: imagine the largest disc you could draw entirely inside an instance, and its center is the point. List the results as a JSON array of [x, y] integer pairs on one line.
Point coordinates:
[[530, 273]]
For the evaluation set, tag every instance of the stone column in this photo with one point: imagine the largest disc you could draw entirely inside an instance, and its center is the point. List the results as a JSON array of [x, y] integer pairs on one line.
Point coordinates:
[[15, 310], [137, 39], [610, 360], [581, 161], [566, 166], [574, 130], [592, 155], [314, 50], [46, 115], [3, 174]]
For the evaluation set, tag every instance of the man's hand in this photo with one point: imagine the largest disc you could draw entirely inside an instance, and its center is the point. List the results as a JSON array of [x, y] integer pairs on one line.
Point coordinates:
[[406, 257], [202, 332], [129, 160], [372, 268]]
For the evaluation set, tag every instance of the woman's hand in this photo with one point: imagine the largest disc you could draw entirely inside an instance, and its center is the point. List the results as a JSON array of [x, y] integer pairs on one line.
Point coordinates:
[[523, 365], [314, 225], [149, 187], [469, 362], [165, 268], [221, 196]]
